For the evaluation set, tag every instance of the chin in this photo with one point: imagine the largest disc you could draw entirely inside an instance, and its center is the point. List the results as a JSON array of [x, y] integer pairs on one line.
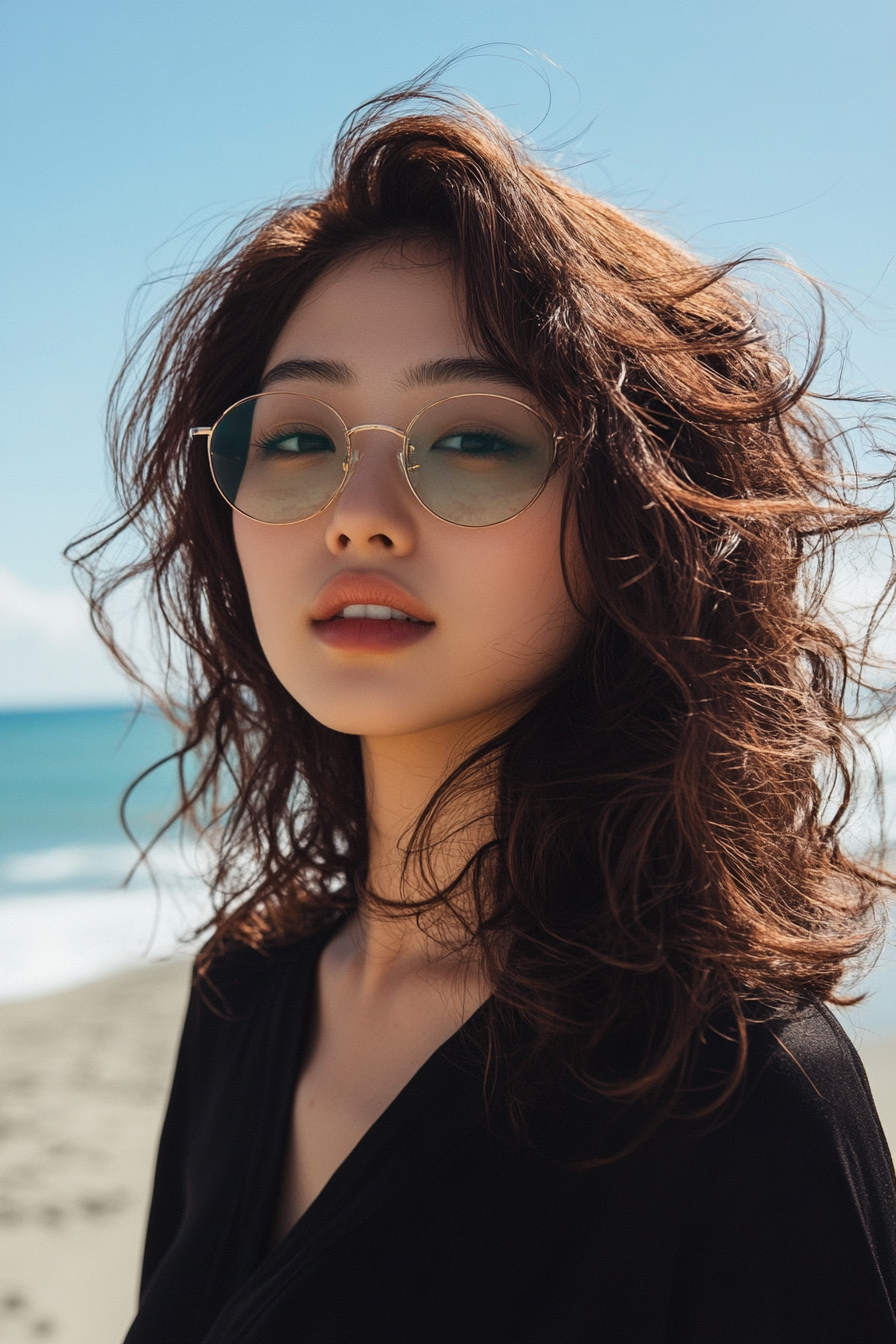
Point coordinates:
[[354, 716], [360, 717]]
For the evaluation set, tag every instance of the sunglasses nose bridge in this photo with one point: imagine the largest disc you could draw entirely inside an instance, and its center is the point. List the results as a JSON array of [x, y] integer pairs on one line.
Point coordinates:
[[386, 429], [363, 429]]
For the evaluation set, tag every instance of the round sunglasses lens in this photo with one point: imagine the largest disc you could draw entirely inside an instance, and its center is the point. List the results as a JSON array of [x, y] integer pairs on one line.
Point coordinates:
[[279, 457], [478, 459]]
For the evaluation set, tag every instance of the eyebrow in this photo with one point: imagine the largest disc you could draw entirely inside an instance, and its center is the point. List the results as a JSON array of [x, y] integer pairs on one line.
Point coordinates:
[[430, 374], [456, 370], [322, 370]]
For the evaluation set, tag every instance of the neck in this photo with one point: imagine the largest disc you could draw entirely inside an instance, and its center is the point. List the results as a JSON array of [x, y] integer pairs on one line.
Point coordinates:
[[401, 775]]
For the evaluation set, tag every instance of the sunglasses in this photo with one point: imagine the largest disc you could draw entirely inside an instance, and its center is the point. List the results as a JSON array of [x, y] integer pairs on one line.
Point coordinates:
[[473, 460]]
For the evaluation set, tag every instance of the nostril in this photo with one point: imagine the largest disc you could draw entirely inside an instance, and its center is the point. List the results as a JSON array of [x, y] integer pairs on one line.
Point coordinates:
[[343, 541]]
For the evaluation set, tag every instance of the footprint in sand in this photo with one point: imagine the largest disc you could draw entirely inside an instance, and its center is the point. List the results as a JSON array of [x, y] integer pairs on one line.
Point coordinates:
[[19, 1320]]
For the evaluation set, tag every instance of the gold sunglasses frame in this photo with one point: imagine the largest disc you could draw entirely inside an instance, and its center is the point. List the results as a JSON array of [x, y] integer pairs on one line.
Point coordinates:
[[352, 456]]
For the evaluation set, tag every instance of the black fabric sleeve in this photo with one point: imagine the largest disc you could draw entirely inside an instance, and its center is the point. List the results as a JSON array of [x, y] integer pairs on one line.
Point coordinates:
[[169, 1188], [221, 1147], [790, 1225], [237, 1060]]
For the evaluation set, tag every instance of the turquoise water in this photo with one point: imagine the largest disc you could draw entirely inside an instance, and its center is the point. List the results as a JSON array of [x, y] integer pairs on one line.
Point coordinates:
[[65, 913], [63, 774]]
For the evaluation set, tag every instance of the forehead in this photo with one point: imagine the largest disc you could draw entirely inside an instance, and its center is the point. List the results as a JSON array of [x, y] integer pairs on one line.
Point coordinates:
[[386, 306]]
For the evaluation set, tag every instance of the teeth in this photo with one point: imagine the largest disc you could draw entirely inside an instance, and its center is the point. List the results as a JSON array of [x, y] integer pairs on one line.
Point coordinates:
[[370, 611]]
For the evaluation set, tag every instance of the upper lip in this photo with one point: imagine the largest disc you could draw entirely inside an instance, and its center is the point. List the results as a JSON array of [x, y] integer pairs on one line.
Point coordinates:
[[354, 588]]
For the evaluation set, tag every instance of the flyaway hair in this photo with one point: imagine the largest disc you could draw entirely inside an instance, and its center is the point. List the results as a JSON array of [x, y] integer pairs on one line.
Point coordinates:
[[667, 818]]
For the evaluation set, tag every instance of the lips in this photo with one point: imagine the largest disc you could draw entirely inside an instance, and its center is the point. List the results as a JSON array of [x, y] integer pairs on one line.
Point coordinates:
[[355, 589], [368, 613]]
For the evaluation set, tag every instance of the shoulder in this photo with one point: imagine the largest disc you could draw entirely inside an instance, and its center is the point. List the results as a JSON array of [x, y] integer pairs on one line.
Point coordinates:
[[789, 1196], [239, 979], [804, 1100], [242, 996], [809, 1049], [247, 1008], [805, 1085]]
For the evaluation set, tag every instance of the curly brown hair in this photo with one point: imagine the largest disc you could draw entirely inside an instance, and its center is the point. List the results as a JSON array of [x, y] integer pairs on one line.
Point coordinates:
[[666, 818]]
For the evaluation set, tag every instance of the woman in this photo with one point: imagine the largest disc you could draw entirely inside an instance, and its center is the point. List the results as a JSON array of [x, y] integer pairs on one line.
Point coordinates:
[[494, 527]]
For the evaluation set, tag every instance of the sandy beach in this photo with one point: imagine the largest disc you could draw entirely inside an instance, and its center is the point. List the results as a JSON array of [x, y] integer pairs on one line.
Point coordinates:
[[83, 1080]]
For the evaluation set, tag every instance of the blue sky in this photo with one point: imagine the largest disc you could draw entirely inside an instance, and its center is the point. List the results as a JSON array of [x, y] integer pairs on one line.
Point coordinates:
[[133, 131]]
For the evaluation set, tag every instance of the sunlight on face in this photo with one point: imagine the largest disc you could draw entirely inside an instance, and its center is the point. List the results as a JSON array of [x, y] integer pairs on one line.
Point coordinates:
[[490, 617]]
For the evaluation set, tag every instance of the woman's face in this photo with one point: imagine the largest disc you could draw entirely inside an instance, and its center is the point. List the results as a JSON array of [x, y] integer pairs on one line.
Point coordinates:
[[493, 615]]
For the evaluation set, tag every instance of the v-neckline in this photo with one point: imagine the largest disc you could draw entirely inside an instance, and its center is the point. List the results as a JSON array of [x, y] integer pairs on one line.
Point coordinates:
[[304, 1007], [454, 1053], [311, 990], [405, 1138]]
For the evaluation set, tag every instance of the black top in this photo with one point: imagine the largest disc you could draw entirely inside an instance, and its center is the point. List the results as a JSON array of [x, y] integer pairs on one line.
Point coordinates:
[[776, 1226]]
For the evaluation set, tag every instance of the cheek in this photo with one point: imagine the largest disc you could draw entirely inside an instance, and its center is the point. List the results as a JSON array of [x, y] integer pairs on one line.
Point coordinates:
[[272, 560], [516, 596]]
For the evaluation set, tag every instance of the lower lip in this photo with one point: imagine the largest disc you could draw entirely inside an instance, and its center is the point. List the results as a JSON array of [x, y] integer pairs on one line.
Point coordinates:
[[364, 636]]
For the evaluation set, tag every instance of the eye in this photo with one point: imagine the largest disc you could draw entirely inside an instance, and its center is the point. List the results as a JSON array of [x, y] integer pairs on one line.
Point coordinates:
[[479, 443], [295, 443]]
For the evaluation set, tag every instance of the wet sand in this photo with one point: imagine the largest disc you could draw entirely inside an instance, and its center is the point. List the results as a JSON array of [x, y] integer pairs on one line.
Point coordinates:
[[83, 1080]]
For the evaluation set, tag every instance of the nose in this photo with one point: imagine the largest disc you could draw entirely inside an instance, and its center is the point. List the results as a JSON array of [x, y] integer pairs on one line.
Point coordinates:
[[374, 511]]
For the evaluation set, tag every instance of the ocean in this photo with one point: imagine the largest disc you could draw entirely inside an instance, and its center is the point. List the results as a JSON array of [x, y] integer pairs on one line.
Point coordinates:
[[65, 916]]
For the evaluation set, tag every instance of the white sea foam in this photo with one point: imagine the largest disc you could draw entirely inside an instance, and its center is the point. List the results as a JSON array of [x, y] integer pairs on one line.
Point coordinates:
[[65, 919], [93, 866], [51, 942]]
